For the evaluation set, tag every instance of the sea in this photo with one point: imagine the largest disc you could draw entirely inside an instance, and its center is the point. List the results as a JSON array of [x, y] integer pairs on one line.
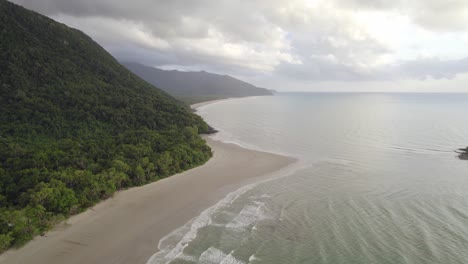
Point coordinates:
[[377, 181]]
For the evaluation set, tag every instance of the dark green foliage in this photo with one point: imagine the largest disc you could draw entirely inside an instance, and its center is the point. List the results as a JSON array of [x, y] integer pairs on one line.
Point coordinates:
[[76, 126]]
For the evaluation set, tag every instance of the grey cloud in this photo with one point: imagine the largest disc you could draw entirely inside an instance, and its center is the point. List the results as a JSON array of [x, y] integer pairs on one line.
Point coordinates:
[[165, 17], [285, 38]]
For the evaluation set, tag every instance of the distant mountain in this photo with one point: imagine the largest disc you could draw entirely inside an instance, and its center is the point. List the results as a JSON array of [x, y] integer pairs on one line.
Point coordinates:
[[196, 84], [75, 126]]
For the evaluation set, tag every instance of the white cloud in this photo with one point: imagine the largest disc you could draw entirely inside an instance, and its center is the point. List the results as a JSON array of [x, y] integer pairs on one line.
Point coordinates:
[[434, 15], [296, 40]]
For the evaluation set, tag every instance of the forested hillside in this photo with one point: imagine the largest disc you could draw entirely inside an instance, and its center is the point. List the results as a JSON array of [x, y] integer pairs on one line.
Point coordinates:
[[194, 87], [75, 126]]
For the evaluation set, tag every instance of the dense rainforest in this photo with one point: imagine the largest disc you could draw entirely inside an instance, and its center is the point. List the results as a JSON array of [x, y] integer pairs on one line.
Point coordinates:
[[76, 126]]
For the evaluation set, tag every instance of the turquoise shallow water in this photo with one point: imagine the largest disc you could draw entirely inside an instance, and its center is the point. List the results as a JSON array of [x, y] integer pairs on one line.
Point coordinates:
[[378, 183]]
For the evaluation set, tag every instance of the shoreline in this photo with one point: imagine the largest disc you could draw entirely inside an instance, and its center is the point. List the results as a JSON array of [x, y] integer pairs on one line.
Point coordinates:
[[198, 105], [128, 227], [201, 104]]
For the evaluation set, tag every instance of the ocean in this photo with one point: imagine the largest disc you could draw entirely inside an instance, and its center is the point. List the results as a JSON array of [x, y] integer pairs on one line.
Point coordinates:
[[377, 181]]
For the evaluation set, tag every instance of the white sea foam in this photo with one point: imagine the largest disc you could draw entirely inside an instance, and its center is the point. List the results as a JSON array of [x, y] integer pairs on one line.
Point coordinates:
[[252, 258], [365, 148], [248, 216], [189, 231], [171, 246], [215, 256], [182, 236]]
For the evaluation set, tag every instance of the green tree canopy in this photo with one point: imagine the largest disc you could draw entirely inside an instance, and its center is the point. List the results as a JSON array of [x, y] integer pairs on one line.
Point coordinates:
[[76, 126]]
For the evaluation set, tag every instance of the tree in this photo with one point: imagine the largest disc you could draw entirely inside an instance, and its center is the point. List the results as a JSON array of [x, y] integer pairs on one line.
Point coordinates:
[[53, 196], [76, 126], [5, 241]]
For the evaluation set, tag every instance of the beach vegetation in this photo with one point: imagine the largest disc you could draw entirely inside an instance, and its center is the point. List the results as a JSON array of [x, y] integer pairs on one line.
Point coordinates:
[[76, 126]]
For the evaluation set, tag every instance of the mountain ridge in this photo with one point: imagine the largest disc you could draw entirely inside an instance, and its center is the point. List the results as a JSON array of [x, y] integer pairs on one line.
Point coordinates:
[[196, 84]]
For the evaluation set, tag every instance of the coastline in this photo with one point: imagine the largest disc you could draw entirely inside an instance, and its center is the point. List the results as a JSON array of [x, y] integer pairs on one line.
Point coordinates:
[[198, 105], [128, 227]]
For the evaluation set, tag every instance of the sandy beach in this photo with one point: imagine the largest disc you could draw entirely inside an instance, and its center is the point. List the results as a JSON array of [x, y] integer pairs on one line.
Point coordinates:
[[198, 105], [128, 227]]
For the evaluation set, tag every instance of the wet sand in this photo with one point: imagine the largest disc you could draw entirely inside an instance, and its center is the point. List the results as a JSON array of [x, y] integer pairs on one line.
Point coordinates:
[[128, 227]]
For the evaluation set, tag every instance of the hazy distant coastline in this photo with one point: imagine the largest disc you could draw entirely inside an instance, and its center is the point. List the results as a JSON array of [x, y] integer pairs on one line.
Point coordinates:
[[195, 87]]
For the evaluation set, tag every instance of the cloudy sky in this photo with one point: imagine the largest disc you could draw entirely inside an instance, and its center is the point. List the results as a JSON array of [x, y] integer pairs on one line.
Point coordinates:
[[321, 45]]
